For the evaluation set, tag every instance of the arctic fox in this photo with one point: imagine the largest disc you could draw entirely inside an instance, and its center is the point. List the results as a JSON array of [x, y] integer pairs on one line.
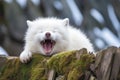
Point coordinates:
[[48, 36]]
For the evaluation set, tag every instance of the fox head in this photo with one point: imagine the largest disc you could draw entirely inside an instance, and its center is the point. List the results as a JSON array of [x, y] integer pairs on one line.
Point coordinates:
[[46, 35]]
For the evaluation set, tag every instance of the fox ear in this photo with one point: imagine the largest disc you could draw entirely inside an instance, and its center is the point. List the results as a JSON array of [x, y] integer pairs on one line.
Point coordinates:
[[66, 21], [29, 23]]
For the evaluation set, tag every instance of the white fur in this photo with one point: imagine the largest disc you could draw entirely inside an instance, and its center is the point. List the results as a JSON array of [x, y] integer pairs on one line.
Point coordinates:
[[66, 37]]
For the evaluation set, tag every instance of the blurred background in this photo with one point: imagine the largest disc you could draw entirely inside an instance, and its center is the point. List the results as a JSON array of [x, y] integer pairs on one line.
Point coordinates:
[[98, 19]]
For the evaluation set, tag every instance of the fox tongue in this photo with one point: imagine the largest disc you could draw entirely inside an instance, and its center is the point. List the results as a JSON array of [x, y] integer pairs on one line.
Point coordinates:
[[47, 45], [47, 48]]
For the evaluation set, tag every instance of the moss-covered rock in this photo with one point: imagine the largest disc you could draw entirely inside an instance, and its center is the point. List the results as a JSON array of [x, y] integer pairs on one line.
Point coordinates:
[[70, 65]]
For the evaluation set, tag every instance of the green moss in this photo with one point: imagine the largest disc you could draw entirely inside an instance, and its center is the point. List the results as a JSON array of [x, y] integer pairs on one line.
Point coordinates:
[[74, 74], [39, 68], [34, 70], [80, 66], [9, 72], [71, 65], [60, 62], [38, 73]]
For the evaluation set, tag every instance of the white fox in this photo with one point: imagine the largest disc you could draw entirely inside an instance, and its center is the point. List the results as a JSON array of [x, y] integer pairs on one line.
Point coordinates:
[[48, 36]]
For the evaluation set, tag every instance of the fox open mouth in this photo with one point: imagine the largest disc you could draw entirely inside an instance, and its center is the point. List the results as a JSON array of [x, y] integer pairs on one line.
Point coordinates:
[[47, 45]]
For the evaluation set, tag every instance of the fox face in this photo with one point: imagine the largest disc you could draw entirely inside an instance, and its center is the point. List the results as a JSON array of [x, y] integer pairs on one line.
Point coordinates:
[[46, 37]]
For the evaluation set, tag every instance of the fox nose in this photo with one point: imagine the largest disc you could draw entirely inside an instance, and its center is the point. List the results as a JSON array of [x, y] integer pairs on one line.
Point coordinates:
[[47, 34]]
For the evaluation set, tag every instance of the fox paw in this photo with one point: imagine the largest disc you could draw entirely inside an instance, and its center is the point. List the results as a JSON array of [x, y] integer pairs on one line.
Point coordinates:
[[25, 56]]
